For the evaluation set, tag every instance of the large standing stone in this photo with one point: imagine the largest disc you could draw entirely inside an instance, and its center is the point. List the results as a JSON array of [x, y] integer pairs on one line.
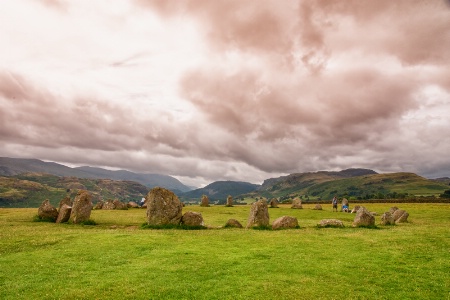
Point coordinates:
[[393, 209], [259, 214], [64, 214], [355, 209], [285, 222], [47, 211], [66, 201], [163, 207], [363, 218], [233, 223], [191, 218], [330, 223], [297, 203], [273, 203], [400, 216], [387, 219], [229, 201], [205, 201], [82, 207]]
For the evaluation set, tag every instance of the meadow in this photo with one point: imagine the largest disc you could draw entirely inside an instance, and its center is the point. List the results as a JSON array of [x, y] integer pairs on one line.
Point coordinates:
[[117, 259]]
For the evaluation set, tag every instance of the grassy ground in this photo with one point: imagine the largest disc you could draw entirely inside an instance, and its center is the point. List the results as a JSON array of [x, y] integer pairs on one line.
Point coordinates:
[[117, 260]]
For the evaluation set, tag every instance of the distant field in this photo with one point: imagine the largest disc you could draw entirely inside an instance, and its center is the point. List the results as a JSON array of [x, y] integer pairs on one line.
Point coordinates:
[[117, 260]]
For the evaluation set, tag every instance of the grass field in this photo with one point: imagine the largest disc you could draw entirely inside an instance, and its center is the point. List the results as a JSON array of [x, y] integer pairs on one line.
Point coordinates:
[[116, 259]]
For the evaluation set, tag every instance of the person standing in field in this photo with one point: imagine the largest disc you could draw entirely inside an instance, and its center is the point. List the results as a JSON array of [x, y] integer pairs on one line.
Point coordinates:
[[335, 203]]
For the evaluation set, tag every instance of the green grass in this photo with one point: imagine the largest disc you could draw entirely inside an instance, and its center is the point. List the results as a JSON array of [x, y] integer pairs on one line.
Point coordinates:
[[116, 259]]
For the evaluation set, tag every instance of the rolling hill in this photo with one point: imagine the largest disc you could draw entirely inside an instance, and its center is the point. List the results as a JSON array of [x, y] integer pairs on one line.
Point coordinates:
[[16, 166], [30, 189], [352, 184], [220, 190]]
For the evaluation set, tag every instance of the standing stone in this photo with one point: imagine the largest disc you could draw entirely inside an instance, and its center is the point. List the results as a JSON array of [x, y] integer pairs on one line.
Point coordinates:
[[66, 201], [132, 204], [285, 222], [393, 209], [233, 223], [355, 209], [82, 207], [191, 218], [120, 205], [229, 201], [387, 219], [297, 203], [259, 214], [163, 207], [363, 218], [400, 216], [205, 201], [344, 202], [274, 203], [64, 214], [99, 205], [109, 204], [47, 211], [317, 207]]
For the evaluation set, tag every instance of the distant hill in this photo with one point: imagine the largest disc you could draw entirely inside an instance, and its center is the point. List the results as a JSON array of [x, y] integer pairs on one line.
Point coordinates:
[[15, 166], [30, 189], [351, 183], [220, 190]]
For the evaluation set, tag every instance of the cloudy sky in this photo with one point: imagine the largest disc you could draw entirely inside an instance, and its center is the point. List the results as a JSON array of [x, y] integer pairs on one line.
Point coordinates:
[[227, 89]]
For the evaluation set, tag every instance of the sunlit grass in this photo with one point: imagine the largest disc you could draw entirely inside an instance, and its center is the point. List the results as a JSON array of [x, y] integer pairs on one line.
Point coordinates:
[[116, 259]]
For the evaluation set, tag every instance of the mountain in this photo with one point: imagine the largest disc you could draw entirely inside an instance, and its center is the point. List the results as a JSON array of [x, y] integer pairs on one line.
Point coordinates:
[[30, 189], [300, 181], [15, 166], [351, 183], [220, 190]]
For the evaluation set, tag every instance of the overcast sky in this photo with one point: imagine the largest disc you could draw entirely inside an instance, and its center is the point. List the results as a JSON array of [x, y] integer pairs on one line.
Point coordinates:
[[227, 89]]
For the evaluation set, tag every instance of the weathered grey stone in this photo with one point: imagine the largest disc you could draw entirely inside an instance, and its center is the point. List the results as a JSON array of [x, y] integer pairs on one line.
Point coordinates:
[[317, 207], [297, 203], [109, 205], [393, 209], [204, 201], [229, 201], [400, 216], [47, 211], [99, 205], [259, 214], [330, 223], [163, 207], [82, 207], [355, 209], [132, 204], [285, 222], [191, 218], [120, 205], [233, 223], [64, 214], [344, 202], [273, 203], [387, 219], [66, 201], [363, 218]]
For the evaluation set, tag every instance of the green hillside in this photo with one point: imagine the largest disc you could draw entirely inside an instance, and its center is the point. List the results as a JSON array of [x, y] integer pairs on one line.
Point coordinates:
[[325, 185], [30, 189], [219, 190]]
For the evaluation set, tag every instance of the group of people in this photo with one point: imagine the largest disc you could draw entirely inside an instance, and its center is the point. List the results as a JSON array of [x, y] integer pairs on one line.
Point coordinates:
[[335, 204]]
